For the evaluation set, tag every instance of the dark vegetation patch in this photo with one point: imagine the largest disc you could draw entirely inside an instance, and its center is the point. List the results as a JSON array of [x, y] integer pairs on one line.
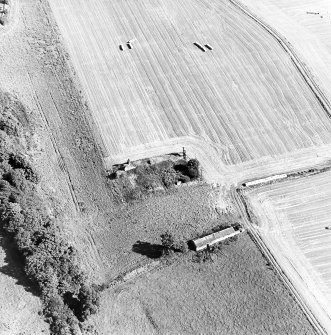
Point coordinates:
[[147, 179], [49, 261], [4, 12], [168, 246]]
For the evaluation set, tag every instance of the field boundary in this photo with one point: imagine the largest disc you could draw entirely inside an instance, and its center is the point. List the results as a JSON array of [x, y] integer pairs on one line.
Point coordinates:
[[286, 45], [136, 271], [242, 206]]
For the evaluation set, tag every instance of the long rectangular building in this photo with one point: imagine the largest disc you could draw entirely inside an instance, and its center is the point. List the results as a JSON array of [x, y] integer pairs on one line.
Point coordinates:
[[202, 242]]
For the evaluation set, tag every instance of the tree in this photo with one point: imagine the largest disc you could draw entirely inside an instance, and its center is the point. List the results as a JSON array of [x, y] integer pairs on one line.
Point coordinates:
[[168, 242], [89, 298], [11, 216], [169, 177], [193, 168]]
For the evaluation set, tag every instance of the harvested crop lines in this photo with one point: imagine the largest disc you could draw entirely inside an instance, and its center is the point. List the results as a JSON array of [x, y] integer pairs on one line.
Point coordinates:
[[310, 35], [245, 96], [292, 218]]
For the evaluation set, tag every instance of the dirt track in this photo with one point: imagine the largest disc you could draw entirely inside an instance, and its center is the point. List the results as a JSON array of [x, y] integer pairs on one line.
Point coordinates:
[[34, 67], [65, 151], [214, 168], [308, 34], [308, 304], [301, 66]]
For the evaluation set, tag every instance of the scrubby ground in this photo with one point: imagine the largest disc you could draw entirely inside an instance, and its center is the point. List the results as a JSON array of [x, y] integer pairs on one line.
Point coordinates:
[[185, 212], [34, 67], [235, 294]]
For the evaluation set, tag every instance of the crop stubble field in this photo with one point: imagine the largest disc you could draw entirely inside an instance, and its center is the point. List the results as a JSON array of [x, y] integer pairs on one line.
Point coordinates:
[[245, 97], [187, 94], [239, 104], [310, 34], [291, 218]]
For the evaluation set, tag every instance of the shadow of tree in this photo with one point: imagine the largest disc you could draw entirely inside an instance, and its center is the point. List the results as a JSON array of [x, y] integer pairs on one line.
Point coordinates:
[[148, 249], [14, 264]]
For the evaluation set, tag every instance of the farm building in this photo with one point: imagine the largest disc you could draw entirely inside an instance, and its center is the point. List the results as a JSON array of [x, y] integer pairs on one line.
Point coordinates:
[[265, 180], [202, 242]]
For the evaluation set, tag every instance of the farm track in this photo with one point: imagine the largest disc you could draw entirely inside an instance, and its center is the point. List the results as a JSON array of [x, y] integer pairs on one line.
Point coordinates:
[[203, 96], [308, 77], [55, 145]]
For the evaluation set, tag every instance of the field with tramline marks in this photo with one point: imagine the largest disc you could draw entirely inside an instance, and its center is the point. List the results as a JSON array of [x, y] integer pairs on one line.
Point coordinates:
[[245, 96], [96, 83], [294, 219], [306, 24]]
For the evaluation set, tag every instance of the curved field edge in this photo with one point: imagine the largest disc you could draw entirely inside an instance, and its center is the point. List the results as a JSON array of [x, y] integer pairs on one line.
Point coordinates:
[[318, 158], [288, 48], [48, 108], [308, 34]]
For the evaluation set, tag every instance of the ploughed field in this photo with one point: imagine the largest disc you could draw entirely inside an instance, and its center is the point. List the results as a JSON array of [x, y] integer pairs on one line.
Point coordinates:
[[292, 217], [245, 96]]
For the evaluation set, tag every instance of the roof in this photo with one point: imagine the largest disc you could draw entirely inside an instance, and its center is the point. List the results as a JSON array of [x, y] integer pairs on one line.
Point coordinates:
[[201, 243]]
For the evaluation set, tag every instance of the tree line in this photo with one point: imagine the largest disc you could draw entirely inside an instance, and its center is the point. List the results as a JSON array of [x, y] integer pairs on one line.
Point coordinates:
[[50, 261]]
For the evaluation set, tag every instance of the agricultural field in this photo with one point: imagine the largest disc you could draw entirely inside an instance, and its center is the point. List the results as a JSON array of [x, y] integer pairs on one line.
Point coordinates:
[[239, 105], [306, 24], [245, 98], [235, 294], [292, 218]]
